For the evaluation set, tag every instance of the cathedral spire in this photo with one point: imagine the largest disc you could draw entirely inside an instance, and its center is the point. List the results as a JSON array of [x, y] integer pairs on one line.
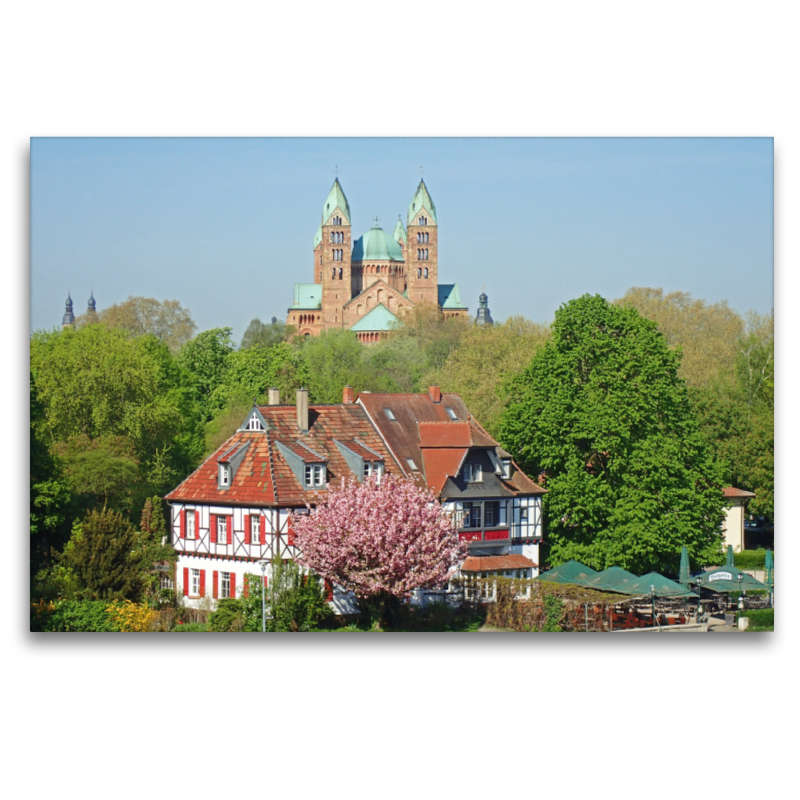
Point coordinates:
[[69, 318], [484, 316], [92, 307], [422, 200], [336, 199]]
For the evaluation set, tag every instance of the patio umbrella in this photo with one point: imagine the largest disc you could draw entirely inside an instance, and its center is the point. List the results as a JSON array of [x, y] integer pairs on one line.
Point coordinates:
[[683, 575], [768, 568], [726, 579], [572, 572], [729, 559], [663, 587], [613, 579]]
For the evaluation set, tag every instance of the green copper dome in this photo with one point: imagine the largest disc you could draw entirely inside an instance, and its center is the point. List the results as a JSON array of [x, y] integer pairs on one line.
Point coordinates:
[[422, 199], [376, 245], [336, 199]]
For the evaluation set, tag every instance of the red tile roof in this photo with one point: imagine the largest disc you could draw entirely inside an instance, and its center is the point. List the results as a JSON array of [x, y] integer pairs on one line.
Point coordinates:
[[264, 477], [445, 434], [486, 563], [732, 491], [440, 464]]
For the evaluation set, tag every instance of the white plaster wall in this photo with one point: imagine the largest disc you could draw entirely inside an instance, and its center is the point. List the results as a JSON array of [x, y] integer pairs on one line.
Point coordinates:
[[733, 526]]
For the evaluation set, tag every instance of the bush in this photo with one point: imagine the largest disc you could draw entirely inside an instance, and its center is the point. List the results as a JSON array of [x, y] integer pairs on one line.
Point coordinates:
[[761, 619], [191, 627], [72, 616], [229, 616], [750, 559]]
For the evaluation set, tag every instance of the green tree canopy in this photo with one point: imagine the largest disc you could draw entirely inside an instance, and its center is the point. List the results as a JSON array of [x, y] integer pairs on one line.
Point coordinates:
[[602, 413], [260, 334], [206, 359]]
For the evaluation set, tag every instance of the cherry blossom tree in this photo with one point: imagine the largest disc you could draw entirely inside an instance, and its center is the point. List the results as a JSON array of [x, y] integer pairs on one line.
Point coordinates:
[[379, 540]]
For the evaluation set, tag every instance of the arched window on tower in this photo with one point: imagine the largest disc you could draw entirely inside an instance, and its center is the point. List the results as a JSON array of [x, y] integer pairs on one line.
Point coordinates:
[[426, 272], [340, 273], [419, 272], [334, 273], [423, 221]]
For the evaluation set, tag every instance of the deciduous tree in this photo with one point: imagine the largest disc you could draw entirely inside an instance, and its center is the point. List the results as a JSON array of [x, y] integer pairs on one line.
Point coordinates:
[[379, 540], [602, 413]]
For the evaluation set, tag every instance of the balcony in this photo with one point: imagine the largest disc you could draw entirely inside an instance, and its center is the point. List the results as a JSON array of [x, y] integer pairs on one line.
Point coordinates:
[[494, 535]]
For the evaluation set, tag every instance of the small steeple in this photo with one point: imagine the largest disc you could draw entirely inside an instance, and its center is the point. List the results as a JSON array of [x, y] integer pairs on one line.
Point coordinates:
[[69, 318], [400, 231], [484, 317], [92, 307]]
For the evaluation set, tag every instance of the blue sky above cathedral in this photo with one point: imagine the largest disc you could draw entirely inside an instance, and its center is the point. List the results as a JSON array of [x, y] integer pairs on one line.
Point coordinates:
[[226, 226]]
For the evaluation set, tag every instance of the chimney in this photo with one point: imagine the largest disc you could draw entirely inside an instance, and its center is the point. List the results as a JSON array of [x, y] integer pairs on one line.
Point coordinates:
[[435, 393], [348, 395], [274, 396], [302, 410]]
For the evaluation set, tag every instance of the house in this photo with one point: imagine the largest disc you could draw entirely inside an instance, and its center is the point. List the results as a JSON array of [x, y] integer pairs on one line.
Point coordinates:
[[733, 524], [366, 284], [237, 507]]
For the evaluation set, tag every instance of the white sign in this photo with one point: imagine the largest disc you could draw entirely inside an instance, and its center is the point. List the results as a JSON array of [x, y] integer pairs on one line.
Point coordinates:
[[720, 576]]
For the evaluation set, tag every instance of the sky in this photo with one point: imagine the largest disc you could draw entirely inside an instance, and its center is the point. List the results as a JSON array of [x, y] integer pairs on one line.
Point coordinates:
[[226, 225]]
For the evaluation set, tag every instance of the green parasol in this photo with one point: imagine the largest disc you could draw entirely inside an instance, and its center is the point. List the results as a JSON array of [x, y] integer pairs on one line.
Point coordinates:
[[662, 586], [572, 572], [769, 566], [726, 579], [683, 575], [613, 579], [729, 559]]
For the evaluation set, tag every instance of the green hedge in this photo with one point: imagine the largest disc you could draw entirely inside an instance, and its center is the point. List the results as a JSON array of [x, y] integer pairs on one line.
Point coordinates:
[[72, 616], [760, 618], [750, 559], [190, 627]]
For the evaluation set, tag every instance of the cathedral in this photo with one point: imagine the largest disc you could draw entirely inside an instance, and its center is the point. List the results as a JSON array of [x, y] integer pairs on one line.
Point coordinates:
[[364, 286]]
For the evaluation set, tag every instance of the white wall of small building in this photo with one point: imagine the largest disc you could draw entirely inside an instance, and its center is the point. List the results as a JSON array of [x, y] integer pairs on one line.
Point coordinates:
[[733, 525]]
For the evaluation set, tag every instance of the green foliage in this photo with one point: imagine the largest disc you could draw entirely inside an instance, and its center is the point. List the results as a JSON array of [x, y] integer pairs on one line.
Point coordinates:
[[102, 556], [206, 359], [554, 611], [259, 334], [72, 615], [761, 619], [190, 627], [602, 413], [750, 559], [153, 548], [229, 616], [333, 359]]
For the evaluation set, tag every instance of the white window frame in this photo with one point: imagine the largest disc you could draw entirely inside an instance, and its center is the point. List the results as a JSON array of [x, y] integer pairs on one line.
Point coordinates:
[[224, 584], [255, 424], [222, 530], [373, 468], [450, 413], [191, 533], [255, 528], [194, 582], [473, 473], [224, 475], [315, 475]]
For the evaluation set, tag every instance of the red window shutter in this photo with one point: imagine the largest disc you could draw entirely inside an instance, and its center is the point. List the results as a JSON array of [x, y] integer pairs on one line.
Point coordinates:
[[186, 581], [183, 523], [233, 584], [247, 529], [290, 530], [196, 524], [212, 529], [262, 527], [202, 583], [229, 529], [215, 584], [328, 589]]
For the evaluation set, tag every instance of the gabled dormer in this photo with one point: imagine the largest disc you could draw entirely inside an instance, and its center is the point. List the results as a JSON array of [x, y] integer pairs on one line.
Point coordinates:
[[254, 421], [228, 464], [362, 460], [310, 468]]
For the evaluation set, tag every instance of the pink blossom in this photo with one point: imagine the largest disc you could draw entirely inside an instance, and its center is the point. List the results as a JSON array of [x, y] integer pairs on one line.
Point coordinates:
[[373, 538]]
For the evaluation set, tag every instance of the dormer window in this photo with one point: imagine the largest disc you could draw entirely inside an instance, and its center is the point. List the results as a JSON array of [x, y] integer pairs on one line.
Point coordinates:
[[315, 475], [450, 413], [254, 424], [373, 468], [473, 473], [224, 475], [506, 468]]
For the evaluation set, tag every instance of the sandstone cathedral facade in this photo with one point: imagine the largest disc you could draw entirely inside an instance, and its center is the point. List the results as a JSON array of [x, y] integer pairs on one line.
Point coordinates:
[[366, 285]]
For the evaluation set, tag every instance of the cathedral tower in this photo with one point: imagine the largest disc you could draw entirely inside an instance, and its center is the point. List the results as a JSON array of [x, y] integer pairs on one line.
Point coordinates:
[[422, 249], [69, 318], [334, 255]]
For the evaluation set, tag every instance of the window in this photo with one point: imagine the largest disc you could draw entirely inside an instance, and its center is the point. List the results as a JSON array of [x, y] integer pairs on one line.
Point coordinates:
[[315, 475], [489, 514], [389, 415], [340, 273], [472, 515], [472, 473], [422, 220], [523, 514], [191, 533], [222, 530], [255, 528], [506, 468], [224, 475], [166, 582], [412, 465], [225, 584], [426, 272], [419, 270], [255, 424], [194, 585], [373, 468], [450, 413]]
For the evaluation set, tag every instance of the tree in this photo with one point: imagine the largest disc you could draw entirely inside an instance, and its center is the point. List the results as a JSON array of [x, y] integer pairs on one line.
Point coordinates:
[[486, 356], [102, 555], [259, 334], [379, 540], [139, 316], [435, 335], [706, 334], [333, 360], [206, 359], [602, 413]]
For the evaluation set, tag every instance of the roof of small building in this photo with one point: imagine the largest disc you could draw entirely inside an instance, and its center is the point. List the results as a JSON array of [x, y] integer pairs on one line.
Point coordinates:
[[265, 478], [379, 319], [486, 563], [377, 245], [450, 297], [732, 491], [307, 296]]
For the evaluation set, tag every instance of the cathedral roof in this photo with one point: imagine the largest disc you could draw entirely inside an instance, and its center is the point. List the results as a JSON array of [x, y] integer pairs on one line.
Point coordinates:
[[379, 319], [422, 199], [400, 231], [449, 296], [307, 296], [376, 245], [336, 199], [318, 236]]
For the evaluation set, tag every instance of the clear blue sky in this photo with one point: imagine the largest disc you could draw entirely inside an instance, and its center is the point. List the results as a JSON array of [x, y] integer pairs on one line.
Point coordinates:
[[226, 226]]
